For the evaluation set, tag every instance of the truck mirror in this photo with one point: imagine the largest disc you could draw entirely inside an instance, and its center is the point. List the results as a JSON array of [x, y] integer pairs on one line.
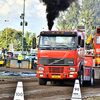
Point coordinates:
[[82, 43], [34, 43], [79, 40]]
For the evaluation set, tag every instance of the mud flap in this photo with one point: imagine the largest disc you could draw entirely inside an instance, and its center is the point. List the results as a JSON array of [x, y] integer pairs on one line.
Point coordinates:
[[96, 73], [89, 75]]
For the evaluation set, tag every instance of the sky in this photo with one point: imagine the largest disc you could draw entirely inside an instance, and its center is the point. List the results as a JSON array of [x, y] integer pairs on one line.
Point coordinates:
[[35, 15]]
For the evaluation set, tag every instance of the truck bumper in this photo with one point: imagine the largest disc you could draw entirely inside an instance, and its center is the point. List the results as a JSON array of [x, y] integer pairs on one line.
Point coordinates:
[[57, 76]]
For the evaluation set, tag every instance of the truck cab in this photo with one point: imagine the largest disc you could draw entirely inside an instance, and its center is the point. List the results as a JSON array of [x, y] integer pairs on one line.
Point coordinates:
[[97, 47], [60, 56]]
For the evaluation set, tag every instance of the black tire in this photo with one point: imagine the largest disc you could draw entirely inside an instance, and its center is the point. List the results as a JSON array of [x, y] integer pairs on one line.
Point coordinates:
[[42, 81], [81, 78], [92, 78]]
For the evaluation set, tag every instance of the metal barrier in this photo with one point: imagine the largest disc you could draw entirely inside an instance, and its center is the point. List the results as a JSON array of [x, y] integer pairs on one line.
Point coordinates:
[[14, 63], [96, 73], [24, 64]]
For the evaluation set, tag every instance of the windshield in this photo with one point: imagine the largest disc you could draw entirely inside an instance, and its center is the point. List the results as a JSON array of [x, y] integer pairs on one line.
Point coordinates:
[[98, 39], [58, 41]]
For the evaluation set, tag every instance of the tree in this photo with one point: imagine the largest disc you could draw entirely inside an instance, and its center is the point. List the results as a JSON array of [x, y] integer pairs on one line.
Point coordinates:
[[17, 45], [15, 37], [27, 37], [69, 19], [3, 37], [87, 16], [25, 45], [17, 40], [31, 38]]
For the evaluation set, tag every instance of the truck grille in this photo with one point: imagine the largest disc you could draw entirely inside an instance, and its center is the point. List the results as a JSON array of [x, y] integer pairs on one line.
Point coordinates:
[[57, 61], [56, 69], [54, 60]]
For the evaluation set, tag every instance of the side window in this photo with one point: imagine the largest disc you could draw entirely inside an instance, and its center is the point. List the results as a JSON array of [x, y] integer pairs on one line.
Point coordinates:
[[79, 40]]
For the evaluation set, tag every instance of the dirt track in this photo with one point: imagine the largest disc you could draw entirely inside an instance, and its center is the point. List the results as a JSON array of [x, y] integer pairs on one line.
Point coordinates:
[[33, 91]]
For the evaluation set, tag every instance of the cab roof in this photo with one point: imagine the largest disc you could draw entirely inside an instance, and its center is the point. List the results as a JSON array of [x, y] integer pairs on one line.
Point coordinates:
[[60, 33]]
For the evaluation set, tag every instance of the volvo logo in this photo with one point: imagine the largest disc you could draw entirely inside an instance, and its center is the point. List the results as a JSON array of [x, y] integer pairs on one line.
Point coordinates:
[[44, 56], [56, 61]]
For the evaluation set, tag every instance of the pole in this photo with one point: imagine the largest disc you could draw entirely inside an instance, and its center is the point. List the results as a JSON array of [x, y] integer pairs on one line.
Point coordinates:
[[23, 24], [6, 35], [85, 40], [6, 32]]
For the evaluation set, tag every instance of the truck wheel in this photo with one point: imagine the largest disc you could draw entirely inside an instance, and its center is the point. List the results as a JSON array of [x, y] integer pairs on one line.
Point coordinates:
[[81, 78], [92, 78], [42, 81]]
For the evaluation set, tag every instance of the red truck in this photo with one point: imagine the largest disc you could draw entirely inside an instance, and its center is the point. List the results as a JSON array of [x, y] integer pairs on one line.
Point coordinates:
[[60, 56], [97, 47], [93, 61]]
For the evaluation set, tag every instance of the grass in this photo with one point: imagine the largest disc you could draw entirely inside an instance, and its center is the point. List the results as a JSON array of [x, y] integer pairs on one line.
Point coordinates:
[[93, 98], [7, 76]]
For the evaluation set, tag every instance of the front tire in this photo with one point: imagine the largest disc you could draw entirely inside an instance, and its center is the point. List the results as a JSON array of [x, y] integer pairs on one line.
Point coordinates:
[[92, 78], [42, 81], [81, 78]]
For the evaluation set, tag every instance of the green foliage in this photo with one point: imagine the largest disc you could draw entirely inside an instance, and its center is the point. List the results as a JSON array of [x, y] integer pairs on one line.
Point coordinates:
[[87, 14], [28, 39], [15, 37], [9, 35], [69, 20], [17, 40]]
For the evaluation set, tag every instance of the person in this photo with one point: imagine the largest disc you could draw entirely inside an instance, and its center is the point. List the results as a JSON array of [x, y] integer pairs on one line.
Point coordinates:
[[5, 60], [72, 42], [46, 41]]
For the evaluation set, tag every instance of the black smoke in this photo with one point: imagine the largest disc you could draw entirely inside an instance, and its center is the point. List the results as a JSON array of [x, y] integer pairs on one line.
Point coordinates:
[[53, 7]]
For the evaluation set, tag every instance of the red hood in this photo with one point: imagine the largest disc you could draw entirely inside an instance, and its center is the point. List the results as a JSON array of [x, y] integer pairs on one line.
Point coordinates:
[[56, 54]]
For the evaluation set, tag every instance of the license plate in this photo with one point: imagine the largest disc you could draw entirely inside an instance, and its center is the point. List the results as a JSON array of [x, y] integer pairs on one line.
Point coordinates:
[[56, 76]]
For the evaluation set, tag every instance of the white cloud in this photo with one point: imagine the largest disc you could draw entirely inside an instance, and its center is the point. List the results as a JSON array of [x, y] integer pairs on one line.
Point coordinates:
[[11, 2], [14, 7], [34, 14], [1, 3], [31, 3], [5, 10], [40, 10]]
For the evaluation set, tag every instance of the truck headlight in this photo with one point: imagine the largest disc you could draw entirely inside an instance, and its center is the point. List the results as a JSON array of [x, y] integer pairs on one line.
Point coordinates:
[[72, 68], [40, 68]]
